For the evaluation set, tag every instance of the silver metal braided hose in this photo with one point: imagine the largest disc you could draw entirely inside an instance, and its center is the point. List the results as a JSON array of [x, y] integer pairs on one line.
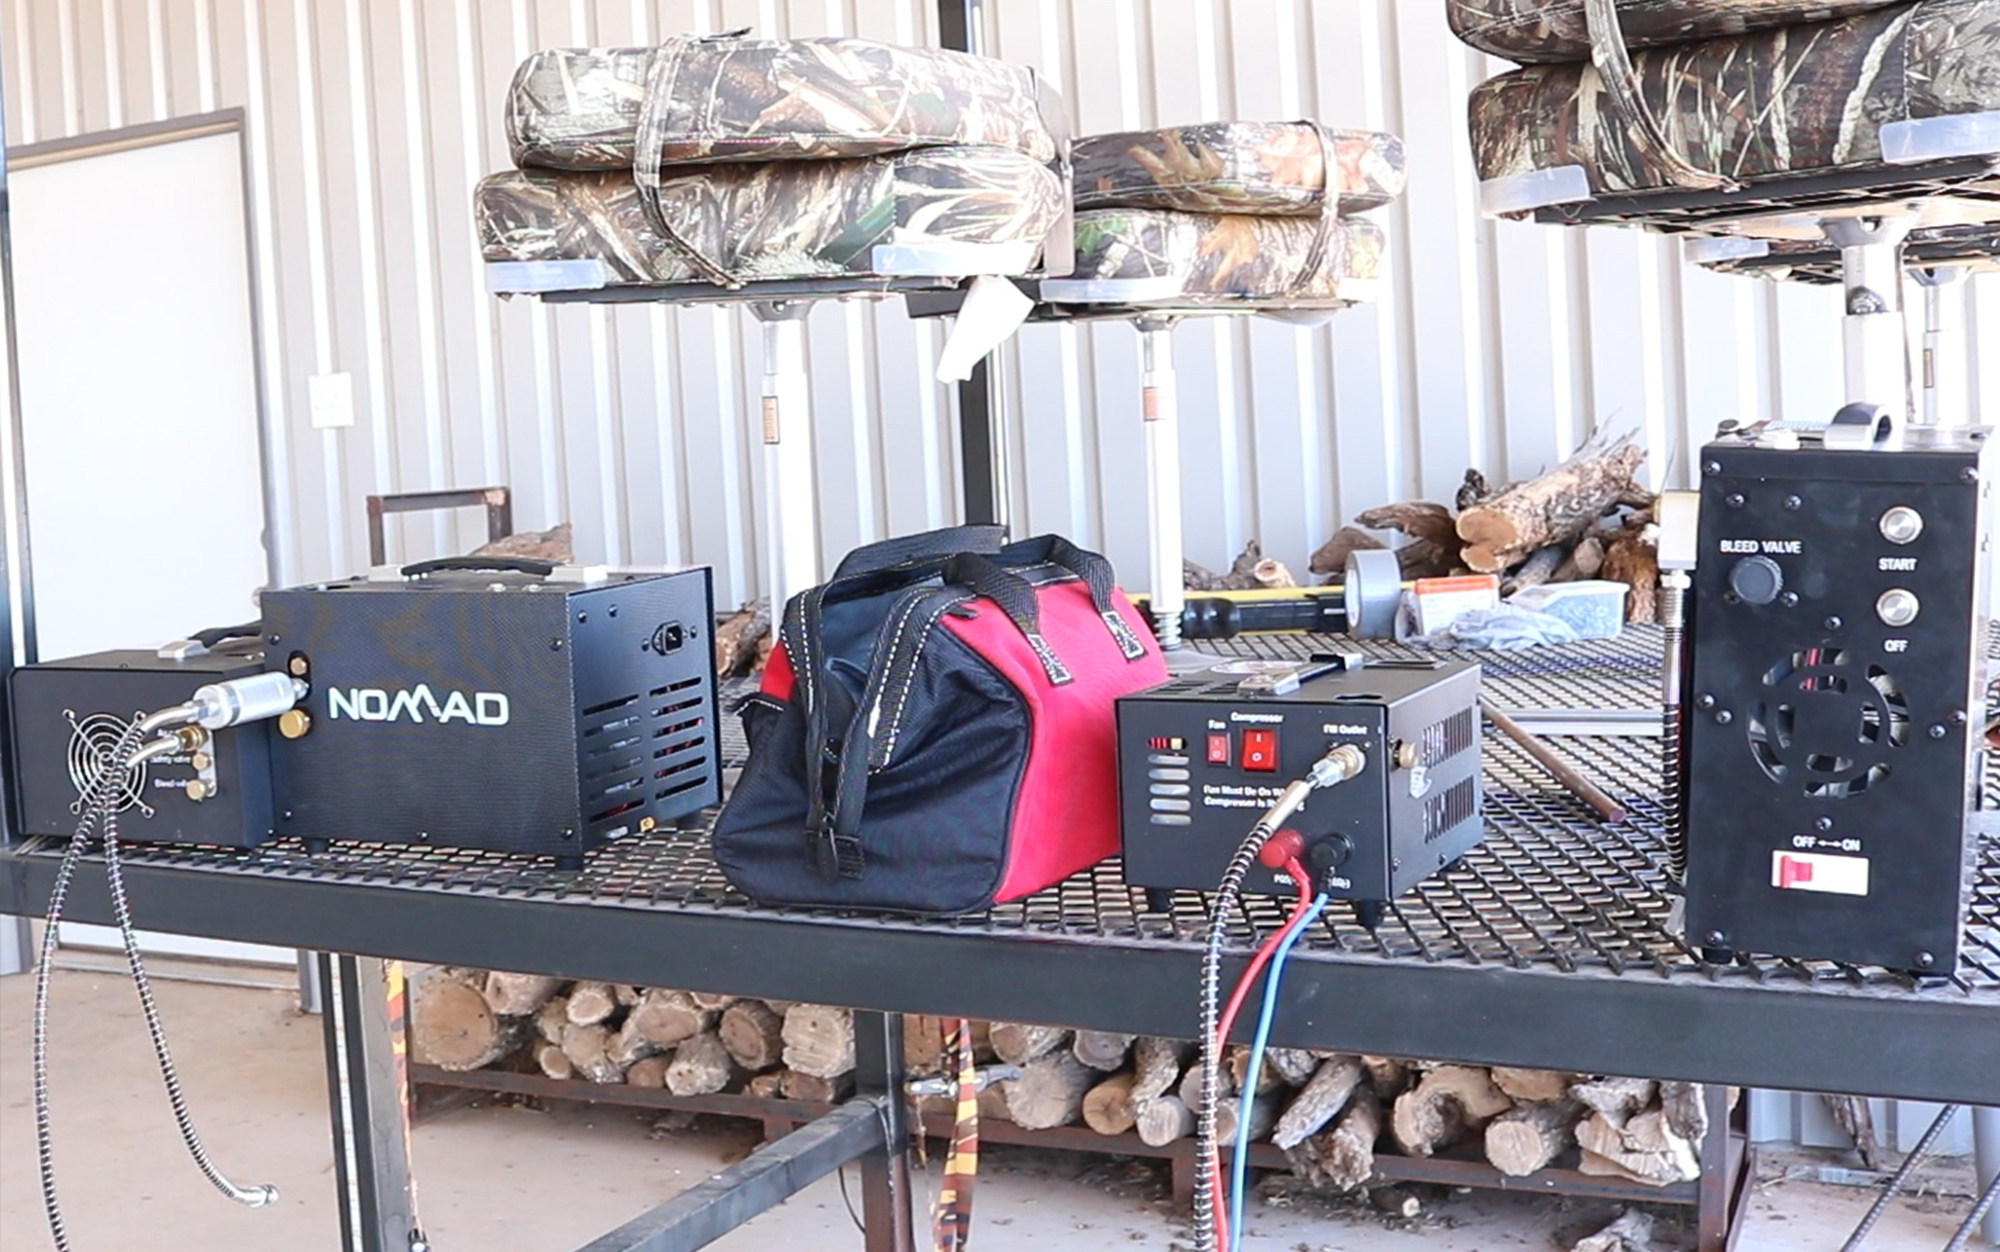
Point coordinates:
[[99, 809], [1671, 601]]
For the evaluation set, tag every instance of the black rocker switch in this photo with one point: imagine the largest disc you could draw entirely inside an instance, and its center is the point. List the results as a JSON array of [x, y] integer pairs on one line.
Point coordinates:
[[1756, 579]]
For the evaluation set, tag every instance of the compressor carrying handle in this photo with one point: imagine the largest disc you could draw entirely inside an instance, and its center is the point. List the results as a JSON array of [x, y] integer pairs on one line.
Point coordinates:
[[498, 564]]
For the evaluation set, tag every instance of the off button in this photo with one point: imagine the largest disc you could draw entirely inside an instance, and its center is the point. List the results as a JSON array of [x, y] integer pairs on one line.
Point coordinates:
[[1260, 750]]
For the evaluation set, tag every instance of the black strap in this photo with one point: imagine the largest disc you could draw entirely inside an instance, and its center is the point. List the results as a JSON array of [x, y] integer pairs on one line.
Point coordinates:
[[505, 564], [1096, 574], [1016, 598], [929, 545], [216, 634]]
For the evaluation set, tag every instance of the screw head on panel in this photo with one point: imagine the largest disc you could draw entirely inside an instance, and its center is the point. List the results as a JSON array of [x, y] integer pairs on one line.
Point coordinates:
[[1715, 939], [1734, 500], [1823, 823], [1793, 504], [1704, 701], [1924, 960], [1723, 717], [1711, 467], [1790, 599], [1832, 623], [1937, 730]]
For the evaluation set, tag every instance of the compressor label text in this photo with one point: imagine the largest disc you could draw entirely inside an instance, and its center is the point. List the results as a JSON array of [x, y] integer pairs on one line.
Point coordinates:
[[373, 704]]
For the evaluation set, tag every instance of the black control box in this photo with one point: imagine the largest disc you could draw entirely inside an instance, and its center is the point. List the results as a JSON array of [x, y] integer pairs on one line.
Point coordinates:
[[1830, 742], [513, 711], [1203, 755], [68, 714]]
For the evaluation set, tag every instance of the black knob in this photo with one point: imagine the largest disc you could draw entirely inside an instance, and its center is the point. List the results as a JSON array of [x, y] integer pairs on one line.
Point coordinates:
[[1329, 853], [1756, 579]]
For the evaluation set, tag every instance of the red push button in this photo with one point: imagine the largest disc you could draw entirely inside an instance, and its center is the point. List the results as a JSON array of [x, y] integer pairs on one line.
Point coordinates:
[[1260, 750], [1218, 748]]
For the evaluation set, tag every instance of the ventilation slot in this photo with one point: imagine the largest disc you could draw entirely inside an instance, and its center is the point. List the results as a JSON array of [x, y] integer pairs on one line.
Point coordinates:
[[1446, 739], [644, 749], [1443, 812]]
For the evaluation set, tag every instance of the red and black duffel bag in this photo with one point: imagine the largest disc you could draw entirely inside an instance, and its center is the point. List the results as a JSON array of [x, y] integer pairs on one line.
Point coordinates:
[[934, 733]]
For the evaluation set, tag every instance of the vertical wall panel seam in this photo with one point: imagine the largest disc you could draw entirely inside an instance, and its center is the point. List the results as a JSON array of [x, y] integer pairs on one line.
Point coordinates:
[[423, 244], [114, 62], [285, 554], [492, 444], [204, 48], [156, 58], [67, 51], [367, 227], [305, 81], [22, 73]]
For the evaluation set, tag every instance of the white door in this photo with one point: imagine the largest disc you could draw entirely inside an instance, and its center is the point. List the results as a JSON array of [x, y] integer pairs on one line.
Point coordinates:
[[140, 425]]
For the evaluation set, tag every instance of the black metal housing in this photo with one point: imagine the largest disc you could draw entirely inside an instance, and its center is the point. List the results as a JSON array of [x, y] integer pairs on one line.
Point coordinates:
[[1183, 813], [497, 710], [82, 704], [1831, 771]]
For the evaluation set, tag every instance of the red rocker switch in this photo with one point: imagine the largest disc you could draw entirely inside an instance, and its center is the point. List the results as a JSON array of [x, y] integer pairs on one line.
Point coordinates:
[[1218, 748], [1260, 750]]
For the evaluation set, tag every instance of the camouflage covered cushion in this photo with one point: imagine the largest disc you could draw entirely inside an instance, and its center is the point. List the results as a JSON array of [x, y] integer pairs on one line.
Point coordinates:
[[1532, 31], [1798, 100], [734, 99], [1237, 167], [1227, 258], [777, 220]]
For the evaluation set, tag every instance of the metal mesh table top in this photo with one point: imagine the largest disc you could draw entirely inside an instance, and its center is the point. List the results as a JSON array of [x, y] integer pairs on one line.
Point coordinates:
[[1550, 888]]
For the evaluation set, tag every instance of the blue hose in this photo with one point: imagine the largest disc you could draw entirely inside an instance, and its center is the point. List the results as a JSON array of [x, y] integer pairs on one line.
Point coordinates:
[[1240, 1161]]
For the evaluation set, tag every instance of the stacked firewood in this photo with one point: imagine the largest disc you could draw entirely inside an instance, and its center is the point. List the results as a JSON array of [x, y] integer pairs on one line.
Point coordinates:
[[1331, 1113], [1586, 518]]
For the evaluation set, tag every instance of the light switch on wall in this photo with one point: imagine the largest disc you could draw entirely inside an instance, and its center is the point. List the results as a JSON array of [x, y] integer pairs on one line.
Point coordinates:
[[332, 400]]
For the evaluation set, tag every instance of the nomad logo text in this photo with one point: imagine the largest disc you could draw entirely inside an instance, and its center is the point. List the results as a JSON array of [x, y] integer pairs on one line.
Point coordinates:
[[373, 704]]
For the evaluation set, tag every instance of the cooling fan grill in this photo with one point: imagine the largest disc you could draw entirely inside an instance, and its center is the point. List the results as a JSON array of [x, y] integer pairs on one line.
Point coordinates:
[[92, 740], [1828, 723]]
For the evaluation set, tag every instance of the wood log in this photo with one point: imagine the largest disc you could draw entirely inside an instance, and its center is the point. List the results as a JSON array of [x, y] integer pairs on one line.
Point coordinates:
[[1582, 561], [453, 1027], [1049, 1092], [1190, 1088], [1851, 1113], [753, 1034], [737, 638], [1450, 1102], [667, 1017], [554, 544], [628, 1045], [924, 1044], [1539, 568], [1018, 1043], [1162, 1120], [798, 1086], [1631, 1232], [1346, 1154], [588, 1048], [1635, 561], [1107, 1107], [766, 1086], [649, 1072], [1319, 1101], [552, 1019], [1156, 1066], [1615, 1098], [591, 1002], [1686, 1107], [1525, 1139], [701, 1066], [1270, 573], [711, 1002], [993, 1102], [554, 1062], [1643, 1149], [1533, 1086], [628, 995], [1419, 519], [1241, 576], [1101, 1049], [1331, 556], [1386, 1074], [1552, 509], [1296, 1066], [819, 1040], [1261, 1110], [1237, 1061], [517, 995], [1396, 1201], [1471, 491]]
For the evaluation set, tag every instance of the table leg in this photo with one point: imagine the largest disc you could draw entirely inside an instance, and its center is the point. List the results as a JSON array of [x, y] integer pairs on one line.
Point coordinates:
[[885, 1176], [367, 1085], [1722, 1170], [1986, 1160]]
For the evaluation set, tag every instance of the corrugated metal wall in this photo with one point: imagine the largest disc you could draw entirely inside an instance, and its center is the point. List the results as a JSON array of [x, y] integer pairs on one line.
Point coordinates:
[[1497, 345]]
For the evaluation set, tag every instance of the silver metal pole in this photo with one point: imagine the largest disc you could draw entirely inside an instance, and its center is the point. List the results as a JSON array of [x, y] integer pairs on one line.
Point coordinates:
[[1160, 407]]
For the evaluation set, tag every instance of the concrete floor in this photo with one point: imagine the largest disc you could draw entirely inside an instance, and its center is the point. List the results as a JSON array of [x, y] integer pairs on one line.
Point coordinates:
[[505, 1178]]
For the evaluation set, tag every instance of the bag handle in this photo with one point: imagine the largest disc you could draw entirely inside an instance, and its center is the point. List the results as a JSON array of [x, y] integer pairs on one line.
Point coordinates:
[[909, 549], [1016, 598], [506, 564], [1095, 573]]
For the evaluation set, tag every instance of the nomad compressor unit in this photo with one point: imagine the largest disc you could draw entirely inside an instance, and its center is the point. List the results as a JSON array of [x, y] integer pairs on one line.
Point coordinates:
[[508, 705], [1830, 711], [70, 715], [1202, 756]]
